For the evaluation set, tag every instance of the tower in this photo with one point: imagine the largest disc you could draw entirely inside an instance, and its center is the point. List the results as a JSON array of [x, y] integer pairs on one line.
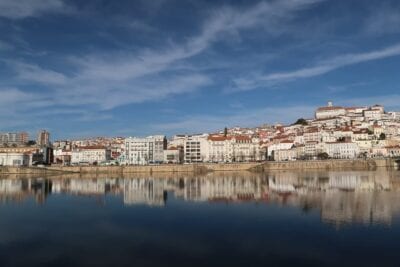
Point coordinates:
[[43, 138]]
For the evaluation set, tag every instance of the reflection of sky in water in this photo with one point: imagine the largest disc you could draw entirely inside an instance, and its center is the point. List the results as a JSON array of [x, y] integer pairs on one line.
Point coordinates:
[[226, 220]]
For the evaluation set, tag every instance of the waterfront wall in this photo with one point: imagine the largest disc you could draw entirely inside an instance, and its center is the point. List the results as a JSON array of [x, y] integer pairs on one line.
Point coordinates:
[[370, 164], [192, 168], [27, 170]]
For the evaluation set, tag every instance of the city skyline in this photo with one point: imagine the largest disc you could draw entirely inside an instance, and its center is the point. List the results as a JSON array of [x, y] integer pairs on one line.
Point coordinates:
[[170, 67]]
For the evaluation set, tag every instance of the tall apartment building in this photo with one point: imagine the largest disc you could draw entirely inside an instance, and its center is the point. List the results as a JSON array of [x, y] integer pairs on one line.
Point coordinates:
[[196, 148], [142, 151], [43, 138]]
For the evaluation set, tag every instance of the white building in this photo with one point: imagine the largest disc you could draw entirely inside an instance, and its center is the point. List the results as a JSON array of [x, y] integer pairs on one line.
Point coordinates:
[[285, 154], [311, 149], [173, 155], [329, 111], [245, 149], [220, 148], [395, 115], [312, 135], [90, 155], [177, 140], [14, 159], [283, 145], [196, 148], [361, 134], [62, 156], [142, 151], [342, 150], [373, 113]]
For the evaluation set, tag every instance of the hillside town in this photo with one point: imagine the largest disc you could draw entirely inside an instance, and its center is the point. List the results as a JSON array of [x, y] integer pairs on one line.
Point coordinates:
[[335, 132]]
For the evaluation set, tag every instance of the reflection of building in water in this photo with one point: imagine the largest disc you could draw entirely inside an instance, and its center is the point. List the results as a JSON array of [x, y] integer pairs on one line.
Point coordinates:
[[87, 186], [342, 197], [283, 182], [359, 207], [145, 191], [18, 190], [223, 188], [13, 190], [350, 181]]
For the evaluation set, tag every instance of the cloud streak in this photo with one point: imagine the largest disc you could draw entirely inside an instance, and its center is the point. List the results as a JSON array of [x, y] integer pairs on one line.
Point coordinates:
[[112, 79], [35, 73], [20, 9], [321, 68]]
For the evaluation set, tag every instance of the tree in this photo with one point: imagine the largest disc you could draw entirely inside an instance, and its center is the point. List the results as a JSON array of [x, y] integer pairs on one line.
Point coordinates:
[[382, 136], [323, 155], [225, 131], [301, 121], [31, 143]]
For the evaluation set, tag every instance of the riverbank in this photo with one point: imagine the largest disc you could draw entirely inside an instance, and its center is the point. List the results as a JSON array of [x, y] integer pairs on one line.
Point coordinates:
[[359, 165], [370, 164]]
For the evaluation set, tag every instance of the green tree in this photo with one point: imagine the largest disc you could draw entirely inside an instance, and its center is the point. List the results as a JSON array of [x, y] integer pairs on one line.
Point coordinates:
[[31, 143], [225, 131], [323, 155], [301, 121]]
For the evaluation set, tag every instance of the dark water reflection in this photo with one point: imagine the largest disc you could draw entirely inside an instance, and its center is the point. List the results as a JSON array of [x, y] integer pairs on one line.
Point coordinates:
[[225, 219]]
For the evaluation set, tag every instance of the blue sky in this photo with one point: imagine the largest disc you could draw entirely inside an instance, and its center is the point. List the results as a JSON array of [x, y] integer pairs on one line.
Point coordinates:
[[124, 68]]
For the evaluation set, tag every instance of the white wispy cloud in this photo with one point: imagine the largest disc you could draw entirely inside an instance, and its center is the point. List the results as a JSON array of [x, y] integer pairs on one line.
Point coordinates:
[[323, 67], [383, 19], [227, 20], [108, 80], [107, 95], [35, 73], [19, 9], [16, 106]]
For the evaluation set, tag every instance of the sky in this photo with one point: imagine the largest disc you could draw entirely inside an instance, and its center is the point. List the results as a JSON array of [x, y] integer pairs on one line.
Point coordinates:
[[140, 67]]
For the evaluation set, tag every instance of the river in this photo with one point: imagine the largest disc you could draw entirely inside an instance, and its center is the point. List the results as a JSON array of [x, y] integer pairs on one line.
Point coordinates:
[[315, 218]]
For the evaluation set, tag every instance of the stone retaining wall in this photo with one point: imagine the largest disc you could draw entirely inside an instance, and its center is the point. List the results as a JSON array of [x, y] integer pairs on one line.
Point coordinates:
[[370, 164]]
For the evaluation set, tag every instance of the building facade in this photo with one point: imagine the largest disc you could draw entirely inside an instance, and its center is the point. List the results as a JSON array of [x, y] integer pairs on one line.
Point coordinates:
[[342, 150], [142, 151], [90, 155], [196, 148], [43, 138], [14, 159]]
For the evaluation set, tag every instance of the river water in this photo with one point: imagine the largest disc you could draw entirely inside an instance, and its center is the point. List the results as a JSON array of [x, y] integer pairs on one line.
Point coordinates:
[[222, 219]]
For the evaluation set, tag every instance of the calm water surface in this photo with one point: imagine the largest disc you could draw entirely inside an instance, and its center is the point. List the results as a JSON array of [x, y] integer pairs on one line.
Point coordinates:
[[232, 219]]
